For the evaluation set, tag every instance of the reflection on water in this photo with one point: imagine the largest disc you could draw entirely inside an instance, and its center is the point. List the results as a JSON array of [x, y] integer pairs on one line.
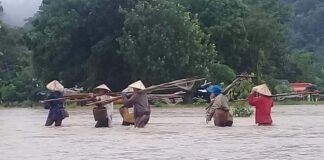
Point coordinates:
[[298, 133]]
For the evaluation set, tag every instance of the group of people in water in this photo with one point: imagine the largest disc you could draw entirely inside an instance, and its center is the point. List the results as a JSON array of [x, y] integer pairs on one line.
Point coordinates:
[[219, 110], [135, 98]]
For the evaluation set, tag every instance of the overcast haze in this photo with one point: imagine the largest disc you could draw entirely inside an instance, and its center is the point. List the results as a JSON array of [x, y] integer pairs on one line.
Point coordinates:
[[16, 11]]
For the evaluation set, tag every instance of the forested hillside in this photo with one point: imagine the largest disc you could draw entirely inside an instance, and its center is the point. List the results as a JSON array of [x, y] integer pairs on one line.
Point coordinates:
[[306, 39], [88, 42]]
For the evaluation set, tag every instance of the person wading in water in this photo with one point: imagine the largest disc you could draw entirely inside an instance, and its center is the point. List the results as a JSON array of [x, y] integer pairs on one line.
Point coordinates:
[[105, 119], [127, 113], [260, 98], [139, 101], [56, 108], [219, 108]]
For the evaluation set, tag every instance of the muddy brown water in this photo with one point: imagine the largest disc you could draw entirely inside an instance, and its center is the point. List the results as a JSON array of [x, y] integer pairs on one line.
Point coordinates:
[[173, 133]]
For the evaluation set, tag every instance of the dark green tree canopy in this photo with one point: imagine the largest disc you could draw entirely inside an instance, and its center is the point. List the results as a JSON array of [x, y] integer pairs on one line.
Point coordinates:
[[75, 41], [89, 42], [161, 42]]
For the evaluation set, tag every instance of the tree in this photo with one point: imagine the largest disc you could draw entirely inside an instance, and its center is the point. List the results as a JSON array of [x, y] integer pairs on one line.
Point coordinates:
[[223, 21], [75, 41], [306, 39], [266, 25], [162, 42], [306, 27], [16, 80], [303, 61]]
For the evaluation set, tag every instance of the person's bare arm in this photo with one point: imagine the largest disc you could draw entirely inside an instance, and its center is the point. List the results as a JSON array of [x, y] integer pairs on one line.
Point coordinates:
[[129, 102]]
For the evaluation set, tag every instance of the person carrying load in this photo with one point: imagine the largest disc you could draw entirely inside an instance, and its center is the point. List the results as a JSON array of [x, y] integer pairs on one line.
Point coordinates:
[[139, 101], [127, 113], [103, 111], [260, 98], [56, 108], [219, 109]]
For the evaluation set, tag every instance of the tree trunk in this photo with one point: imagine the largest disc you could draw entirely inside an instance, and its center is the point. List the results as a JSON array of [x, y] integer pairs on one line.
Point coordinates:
[[188, 97]]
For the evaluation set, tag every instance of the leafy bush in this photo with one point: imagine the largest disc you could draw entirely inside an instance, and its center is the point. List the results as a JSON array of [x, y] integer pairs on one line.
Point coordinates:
[[221, 73], [241, 109], [71, 105], [243, 89], [157, 103], [199, 101], [8, 93], [282, 88]]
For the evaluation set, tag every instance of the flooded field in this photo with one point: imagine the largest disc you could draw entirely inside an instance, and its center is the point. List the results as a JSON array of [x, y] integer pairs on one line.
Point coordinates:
[[298, 133]]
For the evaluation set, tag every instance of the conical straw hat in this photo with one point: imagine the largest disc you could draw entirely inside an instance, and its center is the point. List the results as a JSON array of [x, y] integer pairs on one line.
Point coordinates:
[[128, 89], [55, 86], [262, 89], [103, 86], [138, 85]]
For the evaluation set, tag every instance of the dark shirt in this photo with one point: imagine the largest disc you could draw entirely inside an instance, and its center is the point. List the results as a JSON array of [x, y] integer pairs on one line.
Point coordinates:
[[140, 103], [56, 107]]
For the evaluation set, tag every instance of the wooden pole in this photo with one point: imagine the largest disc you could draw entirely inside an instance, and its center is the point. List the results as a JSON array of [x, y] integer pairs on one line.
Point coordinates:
[[105, 101], [163, 86], [282, 95]]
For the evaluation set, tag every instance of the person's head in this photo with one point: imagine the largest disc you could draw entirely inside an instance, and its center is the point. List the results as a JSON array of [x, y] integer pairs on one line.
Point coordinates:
[[102, 89], [55, 86], [137, 86], [212, 96], [262, 90], [214, 91]]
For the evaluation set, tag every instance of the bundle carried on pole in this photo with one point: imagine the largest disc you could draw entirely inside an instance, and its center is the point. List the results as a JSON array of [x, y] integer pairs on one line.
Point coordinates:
[[172, 84], [238, 78], [105, 101], [283, 95], [78, 97], [159, 87], [293, 93]]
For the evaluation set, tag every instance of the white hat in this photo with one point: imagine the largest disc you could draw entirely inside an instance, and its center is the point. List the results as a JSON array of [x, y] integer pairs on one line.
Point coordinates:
[[138, 85], [262, 89], [55, 86], [128, 89], [103, 86]]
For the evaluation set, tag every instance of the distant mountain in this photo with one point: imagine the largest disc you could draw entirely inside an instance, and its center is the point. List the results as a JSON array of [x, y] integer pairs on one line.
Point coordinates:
[[307, 25]]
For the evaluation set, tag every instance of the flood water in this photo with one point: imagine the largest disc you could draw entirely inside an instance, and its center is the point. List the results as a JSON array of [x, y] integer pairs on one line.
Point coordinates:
[[298, 133]]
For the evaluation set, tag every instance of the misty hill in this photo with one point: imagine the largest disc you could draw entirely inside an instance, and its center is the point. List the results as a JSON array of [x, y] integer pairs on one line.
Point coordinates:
[[16, 11], [307, 25]]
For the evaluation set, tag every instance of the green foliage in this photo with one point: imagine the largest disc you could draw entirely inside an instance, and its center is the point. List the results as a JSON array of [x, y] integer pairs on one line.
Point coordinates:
[[243, 89], [157, 103], [241, 109], [306, 39], [71, 105], [161, 42], [266, 27], [8, 92], [223, 21], [75, 41], [199, 101], [88, 42], [16, 80], [250, 35], [303, 62], [283, 88], [221, 73], [307, 32]]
